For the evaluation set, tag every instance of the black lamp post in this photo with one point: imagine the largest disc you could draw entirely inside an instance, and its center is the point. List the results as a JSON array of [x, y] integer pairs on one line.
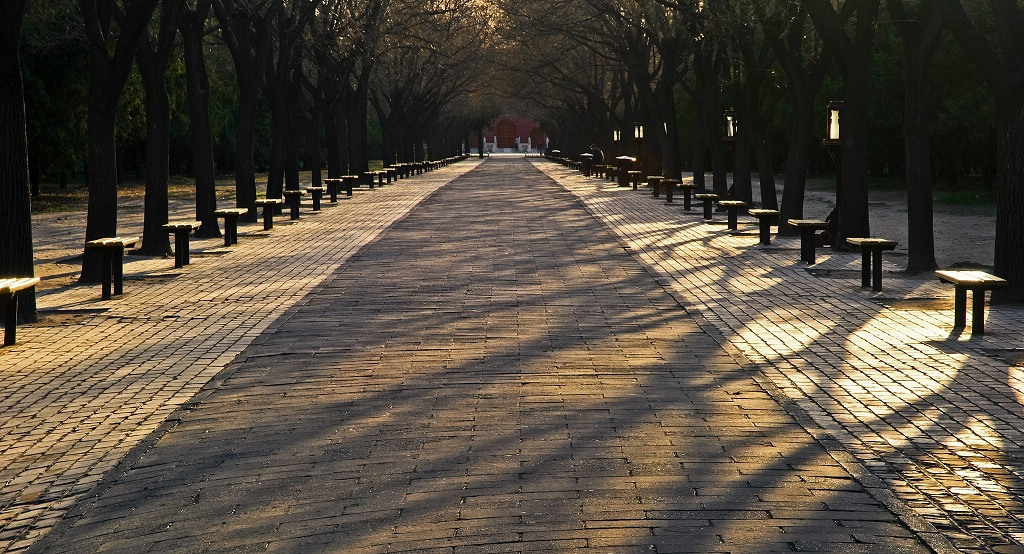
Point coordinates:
[[638, 134], [732, 128], [835, 149]]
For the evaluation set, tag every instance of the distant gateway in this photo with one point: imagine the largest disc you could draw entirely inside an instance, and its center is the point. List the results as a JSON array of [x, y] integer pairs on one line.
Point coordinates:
[[511, 133]]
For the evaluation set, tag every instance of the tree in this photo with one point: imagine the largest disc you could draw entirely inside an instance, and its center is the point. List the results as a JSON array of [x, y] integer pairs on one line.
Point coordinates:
[[15, 202], [245, 28], [998, 54], [920, 38], [114, 31], [804, 63], [849, 33], [153, 59], [192, 26]]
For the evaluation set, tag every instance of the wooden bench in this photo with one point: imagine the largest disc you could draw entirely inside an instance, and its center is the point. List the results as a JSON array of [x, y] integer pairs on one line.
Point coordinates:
[[294, 198], [181, 230], [977, 282], [732, 208], [764, 224], [112, 249], [871, 255], [268, 205], [318, 194], [808, 242], [230, 216], [707, 198], [9, 290]]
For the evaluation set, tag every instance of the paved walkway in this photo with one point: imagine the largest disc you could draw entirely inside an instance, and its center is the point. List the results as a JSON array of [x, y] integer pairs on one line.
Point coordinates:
[[496, 372]]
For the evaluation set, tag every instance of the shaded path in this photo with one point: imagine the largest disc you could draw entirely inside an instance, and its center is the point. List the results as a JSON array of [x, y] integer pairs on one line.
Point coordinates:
[[495, 372]]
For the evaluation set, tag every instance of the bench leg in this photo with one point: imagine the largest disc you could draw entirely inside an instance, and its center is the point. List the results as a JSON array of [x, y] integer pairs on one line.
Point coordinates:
[[268, 218], [180, 249], [669, 193], [978, 312], [876, 269], [960, 307], [765, 226], [707, 210], [117, 269], [11, 323], [687, 193], [316, 201], [107, 273], [733, 219], [807, 245], [332, 190], [655, 189], [865, 267], [294, 205]]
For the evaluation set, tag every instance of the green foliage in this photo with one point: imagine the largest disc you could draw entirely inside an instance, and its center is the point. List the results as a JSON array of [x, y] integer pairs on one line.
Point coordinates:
[[54, 70]]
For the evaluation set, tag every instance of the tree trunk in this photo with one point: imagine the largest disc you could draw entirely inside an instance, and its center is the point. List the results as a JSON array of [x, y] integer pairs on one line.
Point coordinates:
[[101, 170], [855, 54], [278, 137], [155, 240], [796, 167], [917, 53], [15, 202], [1009, 247], [245, 144], [107, 75], [198, 91]]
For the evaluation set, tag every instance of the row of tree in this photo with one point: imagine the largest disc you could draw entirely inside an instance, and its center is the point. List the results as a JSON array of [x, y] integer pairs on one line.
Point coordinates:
[[305, 77], [290, 84], [677, 65]]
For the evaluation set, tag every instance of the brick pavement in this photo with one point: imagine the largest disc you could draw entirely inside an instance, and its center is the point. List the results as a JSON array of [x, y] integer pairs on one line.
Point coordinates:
[[494, 373], [94, 378], [935, 415], [598, 415]]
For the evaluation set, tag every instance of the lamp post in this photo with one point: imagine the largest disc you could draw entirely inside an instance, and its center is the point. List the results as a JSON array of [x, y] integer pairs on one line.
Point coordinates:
[[732, 127], [616, 138], [638, 134], [835, 149]]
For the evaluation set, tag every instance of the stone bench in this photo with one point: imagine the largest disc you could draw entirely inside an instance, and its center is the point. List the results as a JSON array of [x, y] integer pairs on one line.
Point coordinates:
[[268, 205], [333, 185], [689, 189], [708, 199], [977, 282], [871, 255], [112, 249], [732, 209], [230, 216], [10, 288], [764, 224], [655, 182], [634, 177], [808, 242], [670, 188], [181, 230], [318, 194], [349, 183], [294, 199]]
